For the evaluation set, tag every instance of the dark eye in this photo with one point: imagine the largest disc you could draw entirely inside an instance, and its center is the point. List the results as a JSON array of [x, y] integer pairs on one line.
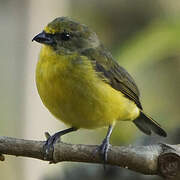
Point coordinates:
[[65, 36]]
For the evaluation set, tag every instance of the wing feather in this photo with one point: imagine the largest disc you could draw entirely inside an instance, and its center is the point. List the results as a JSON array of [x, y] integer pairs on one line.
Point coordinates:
[[114, 74]]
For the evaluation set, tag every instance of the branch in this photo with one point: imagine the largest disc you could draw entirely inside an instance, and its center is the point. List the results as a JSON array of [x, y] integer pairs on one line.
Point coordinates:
[[160, 159]]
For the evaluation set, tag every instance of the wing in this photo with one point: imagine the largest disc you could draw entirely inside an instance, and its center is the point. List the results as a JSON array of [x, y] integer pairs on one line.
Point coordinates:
[[113, 74]]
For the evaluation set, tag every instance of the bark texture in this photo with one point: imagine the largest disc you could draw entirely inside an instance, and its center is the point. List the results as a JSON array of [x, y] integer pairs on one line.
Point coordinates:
[[159, 159]]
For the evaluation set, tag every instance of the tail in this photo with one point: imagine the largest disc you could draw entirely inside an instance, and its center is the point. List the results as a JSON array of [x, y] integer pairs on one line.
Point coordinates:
[[147, 125]]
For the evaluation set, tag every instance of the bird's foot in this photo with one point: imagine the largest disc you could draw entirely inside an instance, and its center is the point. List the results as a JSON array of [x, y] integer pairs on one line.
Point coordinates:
[[48, 147], [103, 150]]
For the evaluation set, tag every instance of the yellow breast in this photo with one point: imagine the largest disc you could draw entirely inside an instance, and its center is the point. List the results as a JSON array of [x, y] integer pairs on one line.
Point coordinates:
[[73, 92]]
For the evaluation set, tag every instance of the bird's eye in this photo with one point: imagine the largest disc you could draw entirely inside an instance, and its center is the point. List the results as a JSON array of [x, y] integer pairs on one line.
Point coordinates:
[[65, 36]]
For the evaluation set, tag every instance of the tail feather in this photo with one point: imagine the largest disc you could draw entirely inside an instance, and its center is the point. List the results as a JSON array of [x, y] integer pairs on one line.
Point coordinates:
[[147, 125]]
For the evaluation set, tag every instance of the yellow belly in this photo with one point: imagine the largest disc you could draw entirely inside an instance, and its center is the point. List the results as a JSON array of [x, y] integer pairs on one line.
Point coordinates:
[[71, 90]]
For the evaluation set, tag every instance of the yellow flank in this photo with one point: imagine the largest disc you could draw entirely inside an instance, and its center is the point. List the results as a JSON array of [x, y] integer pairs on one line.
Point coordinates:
[[73, 92]]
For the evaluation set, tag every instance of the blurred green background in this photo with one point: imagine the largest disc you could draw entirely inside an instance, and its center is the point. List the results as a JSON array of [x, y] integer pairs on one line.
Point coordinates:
[[143, 36]]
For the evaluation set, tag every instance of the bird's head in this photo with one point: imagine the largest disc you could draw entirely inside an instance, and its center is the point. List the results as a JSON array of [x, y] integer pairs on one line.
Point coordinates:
[[65, 35]]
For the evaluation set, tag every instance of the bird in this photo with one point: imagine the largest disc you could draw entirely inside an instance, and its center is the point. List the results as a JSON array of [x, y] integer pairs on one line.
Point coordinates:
[[82, 85]]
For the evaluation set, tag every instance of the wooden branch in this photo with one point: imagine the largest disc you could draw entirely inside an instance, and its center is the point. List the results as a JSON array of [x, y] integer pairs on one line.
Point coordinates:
[[159, 159]]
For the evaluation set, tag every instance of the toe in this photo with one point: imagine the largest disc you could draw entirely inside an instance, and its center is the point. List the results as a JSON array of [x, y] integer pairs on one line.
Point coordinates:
[[49, 146], [104, 150]]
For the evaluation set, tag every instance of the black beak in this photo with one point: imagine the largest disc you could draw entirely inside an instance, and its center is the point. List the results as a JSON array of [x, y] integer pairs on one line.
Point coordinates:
[[44, 38]]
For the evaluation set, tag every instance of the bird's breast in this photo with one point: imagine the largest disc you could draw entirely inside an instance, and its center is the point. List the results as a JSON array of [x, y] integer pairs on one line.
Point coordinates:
[[72, 91]]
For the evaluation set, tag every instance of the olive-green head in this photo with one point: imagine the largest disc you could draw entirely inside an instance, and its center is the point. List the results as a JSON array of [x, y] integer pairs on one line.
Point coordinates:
[[66, 35]]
